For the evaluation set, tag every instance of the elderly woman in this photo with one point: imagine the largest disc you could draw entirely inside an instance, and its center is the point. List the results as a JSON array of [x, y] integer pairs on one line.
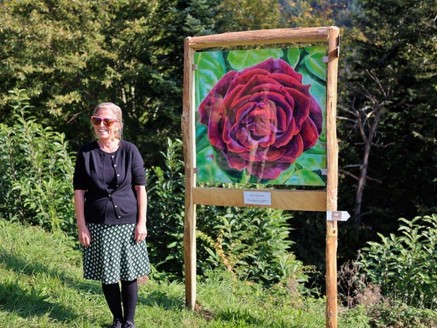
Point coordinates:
[[110, 202]]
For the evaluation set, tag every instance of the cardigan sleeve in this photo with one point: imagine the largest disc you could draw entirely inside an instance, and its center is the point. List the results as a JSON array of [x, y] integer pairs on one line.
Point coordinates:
[[79, 177], [138, 171]]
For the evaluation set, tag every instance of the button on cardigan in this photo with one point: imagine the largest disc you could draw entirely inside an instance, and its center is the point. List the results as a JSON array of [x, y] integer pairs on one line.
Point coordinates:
[[114, 202]]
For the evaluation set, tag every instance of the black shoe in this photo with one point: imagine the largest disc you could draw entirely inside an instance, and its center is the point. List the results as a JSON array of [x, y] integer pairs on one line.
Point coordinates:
[[128, 324], [116, 324]]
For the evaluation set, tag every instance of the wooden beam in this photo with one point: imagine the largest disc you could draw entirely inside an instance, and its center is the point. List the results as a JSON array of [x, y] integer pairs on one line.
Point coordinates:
[[259, 37], [298, 200]]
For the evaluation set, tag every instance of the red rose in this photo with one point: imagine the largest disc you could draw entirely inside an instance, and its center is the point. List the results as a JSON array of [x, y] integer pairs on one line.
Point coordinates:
[[262, 118]]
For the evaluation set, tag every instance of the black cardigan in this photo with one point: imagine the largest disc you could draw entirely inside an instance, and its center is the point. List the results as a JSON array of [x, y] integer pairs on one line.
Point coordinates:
[[104, 205]]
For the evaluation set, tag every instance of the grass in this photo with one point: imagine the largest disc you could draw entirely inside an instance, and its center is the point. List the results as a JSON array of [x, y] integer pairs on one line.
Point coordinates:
[[41, 285]]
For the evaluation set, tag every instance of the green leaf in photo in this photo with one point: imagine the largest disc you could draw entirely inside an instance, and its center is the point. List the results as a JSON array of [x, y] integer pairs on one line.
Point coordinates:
[[293, 56], [319, 148], [314, 61], [285, 175], [240, 59], [210, 68], [312, 162], [318, 91], [202, 140], [305, 177], [207, 169]]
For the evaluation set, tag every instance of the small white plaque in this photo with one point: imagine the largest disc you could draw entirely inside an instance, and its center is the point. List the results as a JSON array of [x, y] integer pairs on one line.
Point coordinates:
[[337, 216], [257, 197]]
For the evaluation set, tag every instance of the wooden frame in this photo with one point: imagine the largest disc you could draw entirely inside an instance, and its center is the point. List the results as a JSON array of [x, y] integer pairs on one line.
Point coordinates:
[[302, 200]]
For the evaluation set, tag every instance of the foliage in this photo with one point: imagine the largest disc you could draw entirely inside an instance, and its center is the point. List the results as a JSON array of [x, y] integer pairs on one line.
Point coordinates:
[[70, 56], [389, 75], [251, 243], [51, 51], [166, 211], [303, 13], [405, 266], [400, 315], [36, 171], [242, 15]]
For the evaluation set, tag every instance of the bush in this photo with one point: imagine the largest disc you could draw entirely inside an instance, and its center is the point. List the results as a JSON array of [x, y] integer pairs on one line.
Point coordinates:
[[35, 171], [405, 266], [252, 243], [400, 315], [165, 212]]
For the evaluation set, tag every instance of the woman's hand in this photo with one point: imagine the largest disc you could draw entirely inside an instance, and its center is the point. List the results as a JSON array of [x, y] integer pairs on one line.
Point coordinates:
[[79, 206], [84, 236], [140, 232], [141, 229]]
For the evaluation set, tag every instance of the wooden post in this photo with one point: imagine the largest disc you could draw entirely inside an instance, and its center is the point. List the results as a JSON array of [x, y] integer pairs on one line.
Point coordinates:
[[190, 207], [332, 178]]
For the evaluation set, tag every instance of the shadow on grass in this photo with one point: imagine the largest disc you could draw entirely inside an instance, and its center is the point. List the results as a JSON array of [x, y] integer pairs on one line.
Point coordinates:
[[32, 301], [19, 265]]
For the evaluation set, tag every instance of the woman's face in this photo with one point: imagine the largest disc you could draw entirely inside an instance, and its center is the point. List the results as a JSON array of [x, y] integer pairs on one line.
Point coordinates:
[[105, 124]]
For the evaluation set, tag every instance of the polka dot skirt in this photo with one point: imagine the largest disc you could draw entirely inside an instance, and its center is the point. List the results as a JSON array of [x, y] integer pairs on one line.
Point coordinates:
[[114, 255]]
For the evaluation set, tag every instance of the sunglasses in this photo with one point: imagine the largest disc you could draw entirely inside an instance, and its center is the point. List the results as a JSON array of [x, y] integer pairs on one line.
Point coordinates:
[[106, 121]]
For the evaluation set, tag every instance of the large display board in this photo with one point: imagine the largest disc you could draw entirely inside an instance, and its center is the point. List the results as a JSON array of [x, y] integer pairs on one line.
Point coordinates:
[[263, 119]]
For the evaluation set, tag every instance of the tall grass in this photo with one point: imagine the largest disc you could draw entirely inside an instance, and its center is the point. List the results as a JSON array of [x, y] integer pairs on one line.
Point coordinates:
[[41, 285]]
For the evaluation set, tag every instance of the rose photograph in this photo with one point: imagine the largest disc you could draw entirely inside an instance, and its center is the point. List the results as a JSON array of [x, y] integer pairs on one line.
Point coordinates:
[[260, 116]]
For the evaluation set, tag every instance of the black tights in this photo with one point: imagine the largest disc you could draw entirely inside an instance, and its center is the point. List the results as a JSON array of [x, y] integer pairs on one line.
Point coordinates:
[[128, 296]]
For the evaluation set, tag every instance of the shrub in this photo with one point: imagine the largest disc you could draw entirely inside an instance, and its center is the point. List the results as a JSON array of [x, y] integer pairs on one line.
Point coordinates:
[[166, 212], [405, 265], [251, 243], [390, 313], [35, 171], [254, 244]]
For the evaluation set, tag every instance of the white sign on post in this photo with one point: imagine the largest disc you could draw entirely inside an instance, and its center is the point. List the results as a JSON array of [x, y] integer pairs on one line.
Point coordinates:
[[337, 216]]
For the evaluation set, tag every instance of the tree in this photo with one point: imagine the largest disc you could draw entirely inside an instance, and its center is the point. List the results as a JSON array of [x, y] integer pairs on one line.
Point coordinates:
[[56, 52], [389, 83], [70, 56]]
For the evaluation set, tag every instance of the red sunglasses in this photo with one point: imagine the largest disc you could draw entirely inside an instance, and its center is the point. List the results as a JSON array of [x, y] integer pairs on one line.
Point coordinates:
[[106, 121]]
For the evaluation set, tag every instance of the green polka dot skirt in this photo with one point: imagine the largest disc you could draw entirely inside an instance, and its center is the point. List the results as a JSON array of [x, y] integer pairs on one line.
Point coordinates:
[[114, 255]]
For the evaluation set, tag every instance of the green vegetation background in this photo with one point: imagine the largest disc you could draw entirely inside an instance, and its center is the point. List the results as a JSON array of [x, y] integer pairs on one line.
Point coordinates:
[[59, 59]]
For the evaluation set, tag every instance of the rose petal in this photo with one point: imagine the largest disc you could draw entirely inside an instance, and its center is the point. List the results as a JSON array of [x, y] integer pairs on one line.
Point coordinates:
[[289, 82], [293, 151], [235, 95], [279, 66], [316, 115], [215, 127], [241, 78], [235, 161], [301, 108], [283, 138], [266, 170], [309, 134]]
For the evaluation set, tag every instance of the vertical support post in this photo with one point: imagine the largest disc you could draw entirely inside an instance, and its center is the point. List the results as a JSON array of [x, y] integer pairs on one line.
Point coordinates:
[[190, 179], [332, 178]]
